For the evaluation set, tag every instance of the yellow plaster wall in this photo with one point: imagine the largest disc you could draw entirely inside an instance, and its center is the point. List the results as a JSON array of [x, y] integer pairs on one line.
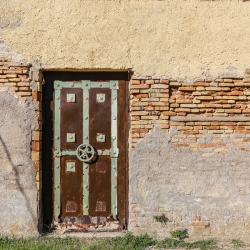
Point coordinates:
[[172, 38]]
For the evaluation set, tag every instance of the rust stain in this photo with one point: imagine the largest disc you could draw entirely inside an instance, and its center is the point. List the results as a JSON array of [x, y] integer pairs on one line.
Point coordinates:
[[71, 207], [100, 206], [101, 167]]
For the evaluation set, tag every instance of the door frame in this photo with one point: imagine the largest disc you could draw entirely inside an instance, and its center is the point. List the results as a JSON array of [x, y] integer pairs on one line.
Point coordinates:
[[123, 78]]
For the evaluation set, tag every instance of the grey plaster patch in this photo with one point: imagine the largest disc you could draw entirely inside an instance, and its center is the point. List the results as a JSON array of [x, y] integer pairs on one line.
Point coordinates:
[[18, 192], [10, 23], [210, 196], [10, 54]]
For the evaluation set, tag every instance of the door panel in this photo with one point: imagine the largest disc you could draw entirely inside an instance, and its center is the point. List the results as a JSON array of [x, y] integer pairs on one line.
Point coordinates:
[[71, 118], [71, 186], [100, 187], [100, 118]]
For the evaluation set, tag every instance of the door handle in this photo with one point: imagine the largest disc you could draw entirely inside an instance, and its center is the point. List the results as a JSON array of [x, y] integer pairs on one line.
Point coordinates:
[[85, 152]]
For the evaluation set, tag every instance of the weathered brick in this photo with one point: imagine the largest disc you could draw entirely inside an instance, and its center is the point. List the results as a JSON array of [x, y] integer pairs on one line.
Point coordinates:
[[10, 84], [4, 80], [177, 123], [220, 114], [204, 84], [205, 97], [150, 82], [164, 81], [14, 79], [226, 84], [213, 88], [136, 82], [139, 130], [193, 132], [207, 145], [164, 90], [28, 93], [164, 99], [246, 111], [36, 135], [159, 103], [135, 118], [233, 111], [227, 80], [231, 97], [242, 98], [11, 75], [38, 165], [23, 84], [169, 113], [184, 101], [139, 113], [139, 104], [36, 155], [182, 110], [36, 145], [151, 99], [24, 88], [139, 86], [159, 86], [187, 89], [226, 105], [200, 88], [175, 84], [196, 93], [150, 117], [141, 96], [188, 105], [158, 95]]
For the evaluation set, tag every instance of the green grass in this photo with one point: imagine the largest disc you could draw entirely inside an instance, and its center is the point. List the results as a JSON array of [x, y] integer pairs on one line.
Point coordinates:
[[236, 243], [41, 243], [126, 242]]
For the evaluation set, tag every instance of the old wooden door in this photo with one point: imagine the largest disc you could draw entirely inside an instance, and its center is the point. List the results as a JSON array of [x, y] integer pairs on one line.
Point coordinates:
[[89, 149]]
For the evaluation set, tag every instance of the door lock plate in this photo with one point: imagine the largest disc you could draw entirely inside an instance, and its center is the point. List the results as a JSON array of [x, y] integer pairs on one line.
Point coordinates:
[[71, 98], [70, 166], [71, 137], [100, 137], [100, 97]]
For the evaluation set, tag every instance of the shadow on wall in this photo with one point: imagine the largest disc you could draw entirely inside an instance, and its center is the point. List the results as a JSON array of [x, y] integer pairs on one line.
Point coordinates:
[[20, 188]]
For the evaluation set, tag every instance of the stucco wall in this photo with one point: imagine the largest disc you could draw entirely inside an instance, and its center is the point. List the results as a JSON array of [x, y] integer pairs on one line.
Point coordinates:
[[178, 39], [203, 191], [18, 192]]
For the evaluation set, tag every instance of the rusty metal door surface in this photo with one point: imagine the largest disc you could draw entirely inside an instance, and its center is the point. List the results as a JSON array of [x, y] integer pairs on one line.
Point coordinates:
[[87, 148]]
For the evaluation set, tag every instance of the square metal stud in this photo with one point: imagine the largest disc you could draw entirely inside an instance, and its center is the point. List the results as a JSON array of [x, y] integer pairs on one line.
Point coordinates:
[[71, 98], [71, 137], [100, 97], [100, 137], [70, 166]]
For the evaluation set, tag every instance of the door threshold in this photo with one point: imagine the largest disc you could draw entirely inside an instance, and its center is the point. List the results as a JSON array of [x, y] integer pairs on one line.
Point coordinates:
[[88, 234]]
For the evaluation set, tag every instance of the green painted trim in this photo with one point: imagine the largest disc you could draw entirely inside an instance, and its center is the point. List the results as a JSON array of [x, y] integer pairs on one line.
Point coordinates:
[[103, 152], [57, 145], [82, 84], [68, 152], [114, 149], [86, 87]]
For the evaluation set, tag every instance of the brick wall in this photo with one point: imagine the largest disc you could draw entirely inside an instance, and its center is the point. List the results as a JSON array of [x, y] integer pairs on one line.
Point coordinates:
[[220, 106], [149, 106]]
